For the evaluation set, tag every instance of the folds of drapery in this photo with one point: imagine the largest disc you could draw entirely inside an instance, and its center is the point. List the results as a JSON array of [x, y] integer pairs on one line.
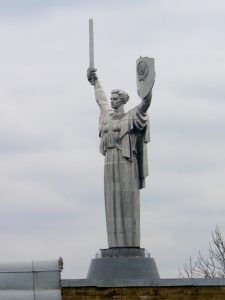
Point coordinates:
[[134, 130]]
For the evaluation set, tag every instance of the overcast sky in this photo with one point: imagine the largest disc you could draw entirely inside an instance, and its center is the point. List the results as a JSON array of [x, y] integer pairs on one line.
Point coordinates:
[[51, 178]]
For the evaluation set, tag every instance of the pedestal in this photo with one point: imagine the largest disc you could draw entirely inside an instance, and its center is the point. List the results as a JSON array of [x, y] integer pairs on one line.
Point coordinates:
[[123, 263]]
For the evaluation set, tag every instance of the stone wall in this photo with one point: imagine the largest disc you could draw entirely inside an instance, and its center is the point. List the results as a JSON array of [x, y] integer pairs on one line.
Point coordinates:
[[145, 293]]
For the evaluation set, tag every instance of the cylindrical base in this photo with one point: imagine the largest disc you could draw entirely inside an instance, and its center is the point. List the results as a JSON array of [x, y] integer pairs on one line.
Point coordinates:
[[123, 263]]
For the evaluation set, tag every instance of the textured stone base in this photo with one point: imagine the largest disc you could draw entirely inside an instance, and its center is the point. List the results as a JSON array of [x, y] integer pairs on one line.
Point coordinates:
[[123, 263], [145, 293]]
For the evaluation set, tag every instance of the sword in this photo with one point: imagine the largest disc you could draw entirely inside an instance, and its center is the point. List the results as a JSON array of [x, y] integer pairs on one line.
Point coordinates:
[[91, 52], [91, 44]]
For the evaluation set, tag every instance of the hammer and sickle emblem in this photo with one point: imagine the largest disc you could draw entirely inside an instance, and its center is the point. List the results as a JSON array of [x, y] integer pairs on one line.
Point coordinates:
[[142, 70]]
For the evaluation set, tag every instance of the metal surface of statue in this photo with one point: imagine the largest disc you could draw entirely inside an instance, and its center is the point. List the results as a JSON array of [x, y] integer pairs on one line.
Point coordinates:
[[124, 137]]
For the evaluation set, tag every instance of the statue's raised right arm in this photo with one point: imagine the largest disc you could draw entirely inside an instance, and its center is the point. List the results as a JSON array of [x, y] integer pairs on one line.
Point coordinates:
[[100, 95]]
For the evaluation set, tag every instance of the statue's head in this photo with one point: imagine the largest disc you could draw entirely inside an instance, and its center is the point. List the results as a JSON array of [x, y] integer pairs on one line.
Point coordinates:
[[118, 98]]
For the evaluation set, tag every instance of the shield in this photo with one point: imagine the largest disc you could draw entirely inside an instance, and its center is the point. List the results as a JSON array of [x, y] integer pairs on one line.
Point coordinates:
[[145, 68]]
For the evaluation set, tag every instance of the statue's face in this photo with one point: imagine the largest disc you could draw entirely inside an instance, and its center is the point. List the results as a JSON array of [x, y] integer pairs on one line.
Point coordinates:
[[116, 102]]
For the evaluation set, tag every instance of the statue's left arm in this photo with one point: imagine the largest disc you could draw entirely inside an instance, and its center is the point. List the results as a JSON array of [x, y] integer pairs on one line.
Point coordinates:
[[146, 101]]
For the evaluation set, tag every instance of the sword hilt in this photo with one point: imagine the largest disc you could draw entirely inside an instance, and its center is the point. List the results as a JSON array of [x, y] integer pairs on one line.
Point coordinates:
[[91, 75]]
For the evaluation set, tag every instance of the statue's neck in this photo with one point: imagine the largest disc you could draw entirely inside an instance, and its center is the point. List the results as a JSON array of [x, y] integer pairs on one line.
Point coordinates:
[[119, 112]]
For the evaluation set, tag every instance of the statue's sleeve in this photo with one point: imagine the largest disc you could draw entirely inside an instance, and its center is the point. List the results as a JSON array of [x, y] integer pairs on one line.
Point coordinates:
[[141, 122], [102, 102], [140, 118], [136, 121], [100, 97]]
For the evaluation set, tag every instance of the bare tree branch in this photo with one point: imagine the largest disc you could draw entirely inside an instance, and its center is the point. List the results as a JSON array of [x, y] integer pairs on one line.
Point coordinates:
[[212, 266]]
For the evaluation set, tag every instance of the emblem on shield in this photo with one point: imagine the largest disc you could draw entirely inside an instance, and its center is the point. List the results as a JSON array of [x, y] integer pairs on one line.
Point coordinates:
[[145, 67]]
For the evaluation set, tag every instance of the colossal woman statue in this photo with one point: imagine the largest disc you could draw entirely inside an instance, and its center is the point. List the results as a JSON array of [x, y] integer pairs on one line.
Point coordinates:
[[124, 137]]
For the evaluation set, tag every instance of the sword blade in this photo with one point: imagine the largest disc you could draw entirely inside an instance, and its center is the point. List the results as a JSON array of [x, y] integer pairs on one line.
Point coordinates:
[[91, 44]]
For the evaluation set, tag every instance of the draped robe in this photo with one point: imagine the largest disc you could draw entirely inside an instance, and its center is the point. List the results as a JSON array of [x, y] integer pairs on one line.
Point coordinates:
[[124, 141]]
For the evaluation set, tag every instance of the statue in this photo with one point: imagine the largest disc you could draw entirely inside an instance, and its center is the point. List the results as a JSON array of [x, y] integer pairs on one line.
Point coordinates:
[[123, 142]]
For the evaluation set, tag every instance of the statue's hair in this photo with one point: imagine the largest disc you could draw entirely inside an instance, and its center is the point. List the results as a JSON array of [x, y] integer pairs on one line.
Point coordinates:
[[122, 95]]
